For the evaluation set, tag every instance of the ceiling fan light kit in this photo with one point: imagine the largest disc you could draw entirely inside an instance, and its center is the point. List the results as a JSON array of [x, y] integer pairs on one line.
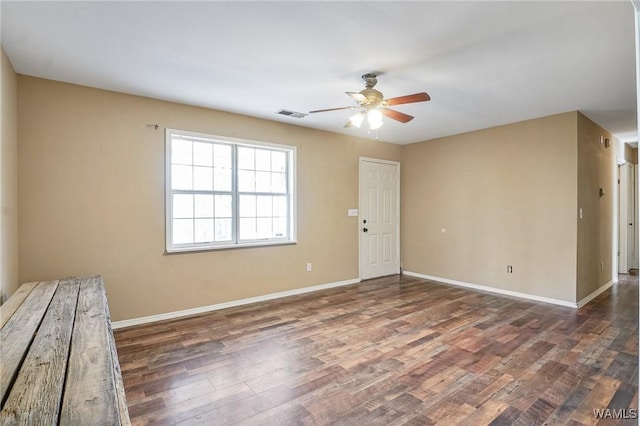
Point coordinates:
[[373, 106], [356, 120], [374, 118]]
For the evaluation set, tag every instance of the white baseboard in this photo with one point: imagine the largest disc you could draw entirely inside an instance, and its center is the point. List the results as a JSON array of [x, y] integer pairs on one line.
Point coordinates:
[[595, 294], [202, 309], [495, 290]]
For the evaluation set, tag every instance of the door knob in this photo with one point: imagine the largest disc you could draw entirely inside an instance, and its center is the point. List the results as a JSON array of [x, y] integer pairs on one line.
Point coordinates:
[[365, 230]]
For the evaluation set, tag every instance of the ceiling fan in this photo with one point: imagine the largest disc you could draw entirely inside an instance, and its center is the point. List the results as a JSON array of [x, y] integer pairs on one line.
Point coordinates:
[[373, 106]]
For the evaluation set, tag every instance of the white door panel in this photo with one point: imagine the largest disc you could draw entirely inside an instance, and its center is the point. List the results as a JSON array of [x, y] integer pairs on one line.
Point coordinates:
[[632, 255], [379, 220]]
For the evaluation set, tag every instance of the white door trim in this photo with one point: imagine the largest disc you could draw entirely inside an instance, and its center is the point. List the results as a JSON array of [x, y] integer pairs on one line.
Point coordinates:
[[360, 225]]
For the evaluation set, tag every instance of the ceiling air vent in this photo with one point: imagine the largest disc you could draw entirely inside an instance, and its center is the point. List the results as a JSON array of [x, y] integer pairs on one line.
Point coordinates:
[[293, 114]]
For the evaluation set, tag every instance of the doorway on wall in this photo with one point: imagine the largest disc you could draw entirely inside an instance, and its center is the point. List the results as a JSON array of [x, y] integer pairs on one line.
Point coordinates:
[[379, 218], [627, 218]]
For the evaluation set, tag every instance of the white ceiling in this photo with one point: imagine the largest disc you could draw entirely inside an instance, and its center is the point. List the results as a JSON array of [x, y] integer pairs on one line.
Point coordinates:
[[483, 63]]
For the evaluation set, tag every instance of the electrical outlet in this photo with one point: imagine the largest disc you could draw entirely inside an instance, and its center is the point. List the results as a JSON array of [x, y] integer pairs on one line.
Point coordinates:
[[509, 269], [309, 267]]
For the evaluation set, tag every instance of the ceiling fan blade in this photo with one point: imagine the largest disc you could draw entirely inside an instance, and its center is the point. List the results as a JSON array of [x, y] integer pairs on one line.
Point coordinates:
[[358, 97], [396, 115], [332, 109], [408, 99]]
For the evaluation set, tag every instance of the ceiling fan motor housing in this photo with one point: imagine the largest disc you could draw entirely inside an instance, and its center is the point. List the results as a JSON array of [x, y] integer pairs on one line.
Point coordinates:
[[374, 97]]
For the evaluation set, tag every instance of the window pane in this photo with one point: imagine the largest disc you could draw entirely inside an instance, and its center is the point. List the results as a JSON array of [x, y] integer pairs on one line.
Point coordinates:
[[263, 226], [203, 178], [182, 205], [278, 161], [279, 183], [182, 231], [280, 206], [263, 182], [203, 205], [248, 229], [246, 181], [203, 230], [181, 152], [247, 206], [280, 227], [223, 205], [222, 156], [223, 230], [181, 177], [246, 158], [263, 206], [222, 179], [202, 154], [263, 160]]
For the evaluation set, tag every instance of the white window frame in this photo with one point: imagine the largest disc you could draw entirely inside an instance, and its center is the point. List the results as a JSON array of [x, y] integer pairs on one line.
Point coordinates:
[[236, 242]]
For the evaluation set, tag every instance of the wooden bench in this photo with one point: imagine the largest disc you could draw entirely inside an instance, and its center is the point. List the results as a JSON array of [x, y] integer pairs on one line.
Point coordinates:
[[58, 361]]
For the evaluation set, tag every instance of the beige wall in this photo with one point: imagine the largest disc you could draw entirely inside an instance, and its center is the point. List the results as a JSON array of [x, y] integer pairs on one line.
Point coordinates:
[[91, 183], [506, 196], [8, 179], [595, 229]]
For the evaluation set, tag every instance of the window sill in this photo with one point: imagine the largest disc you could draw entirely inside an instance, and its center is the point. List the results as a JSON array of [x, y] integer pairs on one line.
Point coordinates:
[[229, 247]]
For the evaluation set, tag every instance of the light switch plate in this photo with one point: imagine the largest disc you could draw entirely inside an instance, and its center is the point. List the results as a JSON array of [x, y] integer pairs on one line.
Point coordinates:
[[352, 212]]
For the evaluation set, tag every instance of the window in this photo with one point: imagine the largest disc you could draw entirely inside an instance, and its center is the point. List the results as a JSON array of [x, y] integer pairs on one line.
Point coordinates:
[[224, 192]]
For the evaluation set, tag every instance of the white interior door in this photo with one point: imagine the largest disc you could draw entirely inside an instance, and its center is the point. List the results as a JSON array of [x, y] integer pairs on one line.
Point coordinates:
[[636, 259], [379, 218], [623, 193], [632, 255]]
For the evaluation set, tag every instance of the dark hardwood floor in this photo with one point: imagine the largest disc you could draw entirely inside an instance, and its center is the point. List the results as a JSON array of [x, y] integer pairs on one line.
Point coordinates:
[[390, 351]]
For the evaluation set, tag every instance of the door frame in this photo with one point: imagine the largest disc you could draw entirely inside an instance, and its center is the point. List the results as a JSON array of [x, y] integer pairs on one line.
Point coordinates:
[[360, 194]]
